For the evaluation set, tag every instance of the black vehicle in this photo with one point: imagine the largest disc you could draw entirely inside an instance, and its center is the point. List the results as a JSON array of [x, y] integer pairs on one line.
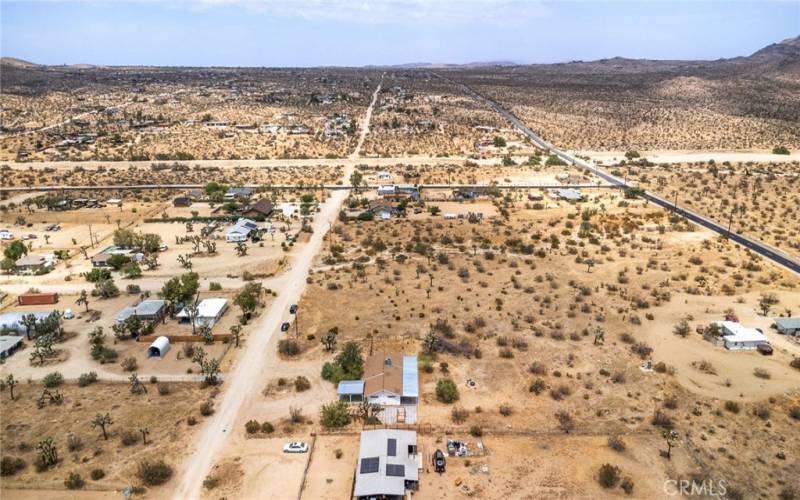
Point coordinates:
[[285, 326], [293, 309], [439, 462]]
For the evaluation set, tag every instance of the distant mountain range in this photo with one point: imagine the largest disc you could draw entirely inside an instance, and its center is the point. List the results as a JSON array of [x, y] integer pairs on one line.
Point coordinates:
[[782, 57]]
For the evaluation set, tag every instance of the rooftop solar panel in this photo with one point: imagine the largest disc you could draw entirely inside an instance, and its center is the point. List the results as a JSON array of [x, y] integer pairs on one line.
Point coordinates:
[[369, 465], [395, 470]]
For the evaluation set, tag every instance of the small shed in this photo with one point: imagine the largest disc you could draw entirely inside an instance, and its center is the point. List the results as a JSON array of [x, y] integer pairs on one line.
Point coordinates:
[[158, 348], [788, 326], [351, 391]]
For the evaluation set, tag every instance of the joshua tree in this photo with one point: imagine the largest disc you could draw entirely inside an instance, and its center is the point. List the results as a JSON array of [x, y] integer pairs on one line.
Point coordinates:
[[367, 410], [83, 300], [185, 261], [241, 249], [102, 421], [671, 437], [766, 301], [11, 382], [28, 321], [145, 432], [329, 339], [137, 387], [599, 335], [236, 332]]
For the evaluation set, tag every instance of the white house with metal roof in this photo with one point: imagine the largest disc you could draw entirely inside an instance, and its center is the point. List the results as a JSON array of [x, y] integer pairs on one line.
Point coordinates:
[[241, 230], [738, 337], [391, 381], [209, 311], [388, 465]]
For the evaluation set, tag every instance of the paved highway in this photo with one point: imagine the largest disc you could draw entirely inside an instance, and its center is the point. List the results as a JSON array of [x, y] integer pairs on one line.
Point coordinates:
[[756, 246]]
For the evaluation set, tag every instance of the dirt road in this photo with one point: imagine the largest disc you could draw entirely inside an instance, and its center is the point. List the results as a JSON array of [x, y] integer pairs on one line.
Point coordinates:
[[247, 376]]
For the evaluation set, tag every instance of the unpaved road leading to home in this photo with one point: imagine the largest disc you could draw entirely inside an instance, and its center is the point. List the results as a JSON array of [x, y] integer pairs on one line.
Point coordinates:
[[247, 376]]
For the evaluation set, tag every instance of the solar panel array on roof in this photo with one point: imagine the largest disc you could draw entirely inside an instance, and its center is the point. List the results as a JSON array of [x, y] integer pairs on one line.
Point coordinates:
[[395, 470], [391, 447], [369, 465]]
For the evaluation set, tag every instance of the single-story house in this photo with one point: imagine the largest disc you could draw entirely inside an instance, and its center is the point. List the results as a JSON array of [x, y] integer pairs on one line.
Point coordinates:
[[382, 209], [12, 322], [568, 194], [209, 311], [261, 208], [32, 263], [241, 230], [238, 193], [388, 465], [788, 326], [390, 380], [535, 196], [117, 202], [738, 337], [182, 201], [101, 259], [9, 344], [383, 176], [147, 310], [399, 191]]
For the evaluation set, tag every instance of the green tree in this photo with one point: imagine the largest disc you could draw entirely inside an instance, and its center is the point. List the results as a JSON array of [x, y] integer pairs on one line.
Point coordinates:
[[329, 339], [446, 391], [335, 414], [15, 250], [351, 361]]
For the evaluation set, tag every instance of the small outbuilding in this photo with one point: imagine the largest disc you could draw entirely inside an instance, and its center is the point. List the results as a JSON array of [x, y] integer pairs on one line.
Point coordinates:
[[9, 344], [159, 347], [788, 326]]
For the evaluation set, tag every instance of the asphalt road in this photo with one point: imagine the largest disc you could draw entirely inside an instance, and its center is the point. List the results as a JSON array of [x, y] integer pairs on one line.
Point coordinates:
[[756, 246]]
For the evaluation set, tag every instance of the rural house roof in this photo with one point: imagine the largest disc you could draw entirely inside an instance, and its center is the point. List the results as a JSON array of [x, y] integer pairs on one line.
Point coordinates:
[[262, 206], [392, 372], [788, 323], [387, 458]]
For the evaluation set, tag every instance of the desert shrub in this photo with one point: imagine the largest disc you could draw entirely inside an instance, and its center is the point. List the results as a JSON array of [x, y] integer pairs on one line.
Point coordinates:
[[537, 368], [505, 410], [87, 378], [267, 428], [761, 412], [97, 474], [252, 427], [661, 419], [52, 380], [616, 443], [795, 363], [476, 431], [11, 465], [608, 475], [761, 373], [559, 392], [74, 481], [670, 402], [191, 420], [338, 453], [335, 414], [458, 414], [163, 389], [641, 349], [296, 415], [446, 391], [74, 443], [214, 286], [288, 347], [207, 408], [154, 473], [129, 438], [129, 364], [301, 384], [732, 406], [537, 386], [627, 485], [794, 412], [210, 482]]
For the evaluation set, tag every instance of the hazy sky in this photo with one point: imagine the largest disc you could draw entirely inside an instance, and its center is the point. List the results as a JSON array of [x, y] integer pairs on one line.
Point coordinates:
[[354, 33]]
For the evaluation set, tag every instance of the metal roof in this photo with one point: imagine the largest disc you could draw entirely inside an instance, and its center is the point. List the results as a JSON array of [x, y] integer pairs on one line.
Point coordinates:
[[348, 387], [149, 307], [410, 377], [389, 478], [8, 342], [788, 322]]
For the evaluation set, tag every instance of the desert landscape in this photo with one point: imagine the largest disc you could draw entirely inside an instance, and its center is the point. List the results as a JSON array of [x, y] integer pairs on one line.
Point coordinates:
[[368, 282]]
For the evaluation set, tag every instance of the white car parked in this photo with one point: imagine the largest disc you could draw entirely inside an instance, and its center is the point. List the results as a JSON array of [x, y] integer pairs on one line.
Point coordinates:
[[6, 235], [295, 447]]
